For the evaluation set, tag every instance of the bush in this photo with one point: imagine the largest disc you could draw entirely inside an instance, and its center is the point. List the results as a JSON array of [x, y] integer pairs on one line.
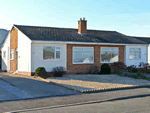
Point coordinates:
[[138, 73], [118, 66], [116, 72], [132, 68], [133, 76], [40, 71], [144, 66], [93, 70], [105, 69], [58, 71], [125, 73]]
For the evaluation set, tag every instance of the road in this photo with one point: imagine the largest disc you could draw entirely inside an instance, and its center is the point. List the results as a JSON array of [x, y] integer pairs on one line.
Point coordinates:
[[134, 105]]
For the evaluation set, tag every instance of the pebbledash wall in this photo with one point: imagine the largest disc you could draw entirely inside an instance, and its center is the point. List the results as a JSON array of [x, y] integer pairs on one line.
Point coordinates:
[[81, 68]]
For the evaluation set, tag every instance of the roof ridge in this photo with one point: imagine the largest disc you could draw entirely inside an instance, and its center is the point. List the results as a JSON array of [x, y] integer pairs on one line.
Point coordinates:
[[62, 28]]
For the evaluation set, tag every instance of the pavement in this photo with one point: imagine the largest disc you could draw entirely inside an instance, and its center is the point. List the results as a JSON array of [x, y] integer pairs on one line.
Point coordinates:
[[72, 100], [134, 105]]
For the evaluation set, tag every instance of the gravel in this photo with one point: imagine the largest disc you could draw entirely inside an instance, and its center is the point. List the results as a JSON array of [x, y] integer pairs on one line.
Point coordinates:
[[14, 90], [96, 82]]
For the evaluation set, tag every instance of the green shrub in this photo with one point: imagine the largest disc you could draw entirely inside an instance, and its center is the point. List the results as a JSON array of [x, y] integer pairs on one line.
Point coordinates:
[[58, 71], [116, 72], [138, 73], [118, 66], [133, 76], [105, 69], [40, 71], [132, 68]]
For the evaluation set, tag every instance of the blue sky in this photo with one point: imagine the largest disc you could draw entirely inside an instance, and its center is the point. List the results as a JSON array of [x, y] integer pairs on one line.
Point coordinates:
[[130, 17]]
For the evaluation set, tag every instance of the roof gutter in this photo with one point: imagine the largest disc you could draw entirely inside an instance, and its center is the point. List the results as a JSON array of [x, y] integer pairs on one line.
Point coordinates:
[[88, 43]]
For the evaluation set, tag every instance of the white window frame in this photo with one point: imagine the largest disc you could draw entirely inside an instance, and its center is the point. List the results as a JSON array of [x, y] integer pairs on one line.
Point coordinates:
[[135, 51], [83, 50], [12, 52], [108, 50], [54, 54], [4, 54]]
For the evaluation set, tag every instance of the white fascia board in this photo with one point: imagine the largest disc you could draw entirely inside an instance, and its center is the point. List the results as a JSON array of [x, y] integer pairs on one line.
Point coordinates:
[[69, 42]]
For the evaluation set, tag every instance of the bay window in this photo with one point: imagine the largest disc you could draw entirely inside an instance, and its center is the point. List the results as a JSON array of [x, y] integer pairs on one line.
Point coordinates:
[[109, 54], [83, 55]]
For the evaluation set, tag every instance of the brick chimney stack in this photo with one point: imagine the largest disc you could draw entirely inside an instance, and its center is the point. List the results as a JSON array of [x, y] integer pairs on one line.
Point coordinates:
[[82, 26]]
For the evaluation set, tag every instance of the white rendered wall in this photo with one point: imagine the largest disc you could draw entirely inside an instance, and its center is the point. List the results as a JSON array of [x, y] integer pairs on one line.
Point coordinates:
[[24, 53], [129, 62], [37, 57], [5, 61]]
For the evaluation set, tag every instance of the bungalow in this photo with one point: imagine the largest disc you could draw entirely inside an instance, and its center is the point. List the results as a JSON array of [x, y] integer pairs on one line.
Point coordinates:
[[29, 47]]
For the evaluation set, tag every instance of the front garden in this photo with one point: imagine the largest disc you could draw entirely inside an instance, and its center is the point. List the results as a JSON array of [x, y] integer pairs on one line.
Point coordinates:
[[116, 75], [117, 68]]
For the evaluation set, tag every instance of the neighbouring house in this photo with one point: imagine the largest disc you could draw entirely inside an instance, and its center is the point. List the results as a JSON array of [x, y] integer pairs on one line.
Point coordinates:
[[28, 47]]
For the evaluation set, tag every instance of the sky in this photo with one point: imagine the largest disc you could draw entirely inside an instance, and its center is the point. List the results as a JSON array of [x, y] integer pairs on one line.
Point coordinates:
[[130, 17]]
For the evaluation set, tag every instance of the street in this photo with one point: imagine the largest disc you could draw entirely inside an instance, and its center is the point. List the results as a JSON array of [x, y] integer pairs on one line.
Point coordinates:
[[134, 105]]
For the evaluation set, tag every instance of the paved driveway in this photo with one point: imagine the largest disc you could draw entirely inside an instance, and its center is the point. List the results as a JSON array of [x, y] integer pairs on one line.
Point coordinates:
[[35, 87]]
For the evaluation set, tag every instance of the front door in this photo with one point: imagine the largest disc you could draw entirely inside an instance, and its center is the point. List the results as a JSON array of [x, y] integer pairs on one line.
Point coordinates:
[[16, 60]]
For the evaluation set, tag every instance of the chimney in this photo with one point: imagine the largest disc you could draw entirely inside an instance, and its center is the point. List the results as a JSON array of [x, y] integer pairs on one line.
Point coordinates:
[[82, 26]]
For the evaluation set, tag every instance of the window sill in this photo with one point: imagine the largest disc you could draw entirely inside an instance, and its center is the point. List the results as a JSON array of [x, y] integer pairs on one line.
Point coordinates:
[[83, 63], [107, 62], [135, 59], [52, 60]]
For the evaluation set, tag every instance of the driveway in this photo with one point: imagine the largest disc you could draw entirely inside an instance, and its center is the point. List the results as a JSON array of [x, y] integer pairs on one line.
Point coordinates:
[[33, 87]]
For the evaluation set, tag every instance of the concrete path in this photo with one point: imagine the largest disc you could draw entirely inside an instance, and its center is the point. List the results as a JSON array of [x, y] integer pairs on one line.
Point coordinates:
[[27, 87], [72, 100]]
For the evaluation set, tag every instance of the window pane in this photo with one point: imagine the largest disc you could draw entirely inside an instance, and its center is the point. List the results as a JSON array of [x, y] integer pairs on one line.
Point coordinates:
[[88, 49], [132, 55], [137, 54], [114, 57], [132, 49], [48, 53], [109, 56], [78, 49], [57, 54], [138, 49], [77, 56], [83, 57], [105, 48], [57, 48], [105, 56], [87, 56]]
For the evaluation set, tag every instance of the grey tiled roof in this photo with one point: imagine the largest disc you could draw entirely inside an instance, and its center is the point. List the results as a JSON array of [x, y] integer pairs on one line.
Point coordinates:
[[68, 34], [145, 39]]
